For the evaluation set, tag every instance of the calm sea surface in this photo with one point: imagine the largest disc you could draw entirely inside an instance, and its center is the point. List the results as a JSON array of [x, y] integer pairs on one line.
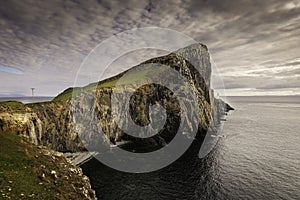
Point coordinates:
[[26, 99], [260, 156]]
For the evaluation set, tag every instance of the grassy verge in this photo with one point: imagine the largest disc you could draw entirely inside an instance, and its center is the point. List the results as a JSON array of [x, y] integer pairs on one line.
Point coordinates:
[[27, 172], [17, 177], [13, 104]]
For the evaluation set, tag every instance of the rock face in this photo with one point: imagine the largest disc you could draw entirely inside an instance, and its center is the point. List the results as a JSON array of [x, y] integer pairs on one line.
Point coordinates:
[[53, 124], [48, 124], [198, 56]]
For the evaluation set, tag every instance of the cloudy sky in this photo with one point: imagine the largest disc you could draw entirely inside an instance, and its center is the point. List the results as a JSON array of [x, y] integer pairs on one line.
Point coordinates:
[[253, 43]]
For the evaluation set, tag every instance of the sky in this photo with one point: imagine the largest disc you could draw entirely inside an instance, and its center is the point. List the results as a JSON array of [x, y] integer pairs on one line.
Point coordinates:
[[254, 44]]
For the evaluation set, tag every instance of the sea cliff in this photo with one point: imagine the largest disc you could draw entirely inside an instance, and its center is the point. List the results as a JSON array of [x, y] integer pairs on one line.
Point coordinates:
[[52, 124]]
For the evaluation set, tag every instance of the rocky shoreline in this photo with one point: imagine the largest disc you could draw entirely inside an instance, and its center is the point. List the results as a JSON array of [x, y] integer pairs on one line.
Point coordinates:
[[79, 158]]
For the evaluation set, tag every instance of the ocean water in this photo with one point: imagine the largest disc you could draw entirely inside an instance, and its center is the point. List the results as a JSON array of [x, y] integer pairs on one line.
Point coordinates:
[[26, 99], [257, 158], [260, 156]]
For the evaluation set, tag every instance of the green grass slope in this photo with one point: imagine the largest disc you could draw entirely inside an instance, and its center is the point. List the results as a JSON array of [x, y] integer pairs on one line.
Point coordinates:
[[31, 172], [136, 75]]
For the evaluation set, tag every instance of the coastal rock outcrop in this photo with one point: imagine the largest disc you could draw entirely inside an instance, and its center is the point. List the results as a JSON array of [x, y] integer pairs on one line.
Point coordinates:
[[53, 124], [49, 124]]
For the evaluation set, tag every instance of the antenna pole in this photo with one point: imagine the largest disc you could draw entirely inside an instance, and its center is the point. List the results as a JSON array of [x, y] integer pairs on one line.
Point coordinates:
[[32, 92]]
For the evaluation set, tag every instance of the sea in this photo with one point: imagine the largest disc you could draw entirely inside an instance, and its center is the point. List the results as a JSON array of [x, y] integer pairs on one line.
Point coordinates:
[[26, 99], [258, 157]]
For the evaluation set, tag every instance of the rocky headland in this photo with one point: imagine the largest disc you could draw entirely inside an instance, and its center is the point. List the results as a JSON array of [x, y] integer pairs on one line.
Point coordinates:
[[53, 125]]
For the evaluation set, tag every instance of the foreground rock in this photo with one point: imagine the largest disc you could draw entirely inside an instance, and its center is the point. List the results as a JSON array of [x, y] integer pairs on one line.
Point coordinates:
[[79, 158], [35, 172]]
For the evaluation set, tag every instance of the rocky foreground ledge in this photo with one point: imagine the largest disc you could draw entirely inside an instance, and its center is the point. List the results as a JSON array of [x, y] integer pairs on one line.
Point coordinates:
[[35, 172]]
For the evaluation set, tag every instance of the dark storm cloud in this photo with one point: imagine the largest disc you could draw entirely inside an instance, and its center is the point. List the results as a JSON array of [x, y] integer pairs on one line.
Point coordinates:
[[261, 82], [231, 7], [290, 83], [296, 63], [289, 73], [248, 39]]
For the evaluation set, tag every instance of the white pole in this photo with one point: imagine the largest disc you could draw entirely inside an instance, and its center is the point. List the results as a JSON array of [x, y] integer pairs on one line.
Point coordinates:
[[32, 92]]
